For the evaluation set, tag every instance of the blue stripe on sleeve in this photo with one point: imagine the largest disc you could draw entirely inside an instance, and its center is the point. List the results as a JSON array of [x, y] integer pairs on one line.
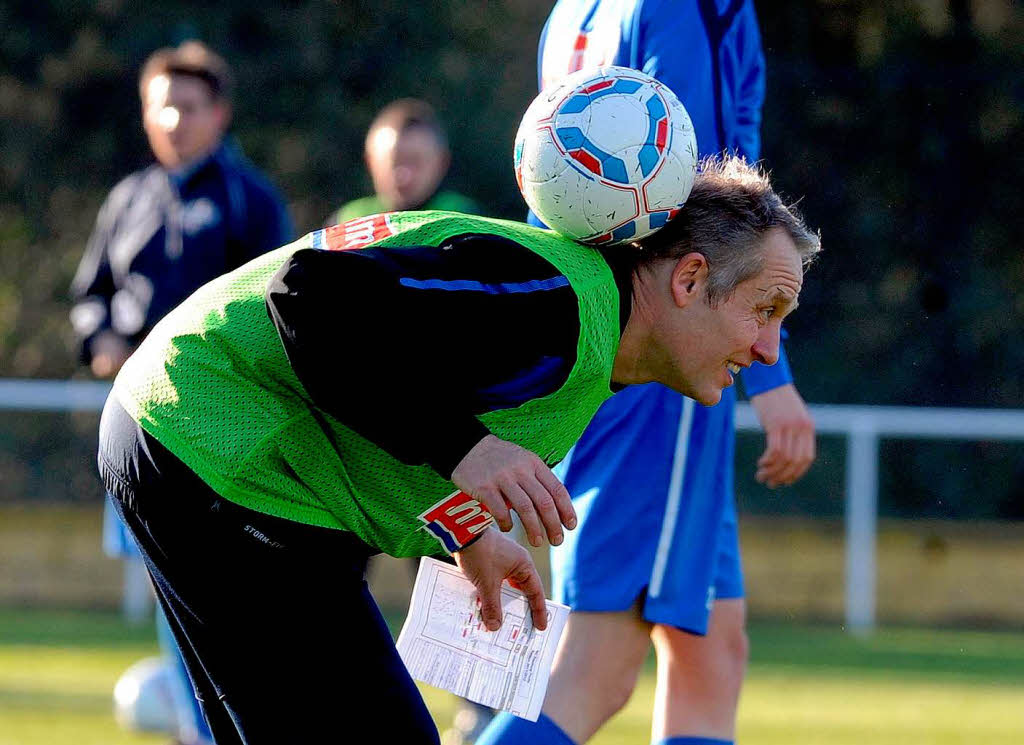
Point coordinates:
[[759, 378], [544, 378], [495, 288]]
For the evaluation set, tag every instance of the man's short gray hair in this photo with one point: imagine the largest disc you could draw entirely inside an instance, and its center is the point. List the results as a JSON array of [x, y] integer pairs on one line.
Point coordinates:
[[729, 211]]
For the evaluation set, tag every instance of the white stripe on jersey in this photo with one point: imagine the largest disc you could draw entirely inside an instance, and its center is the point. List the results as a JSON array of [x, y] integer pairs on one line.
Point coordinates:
[[675, 494]]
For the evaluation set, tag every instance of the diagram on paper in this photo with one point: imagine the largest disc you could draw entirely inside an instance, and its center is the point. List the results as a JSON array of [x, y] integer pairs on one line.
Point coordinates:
[[445, 644], [451, 620]]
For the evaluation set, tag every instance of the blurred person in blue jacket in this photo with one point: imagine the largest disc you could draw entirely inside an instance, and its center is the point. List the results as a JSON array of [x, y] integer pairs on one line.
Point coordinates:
[[201, 210], [652, 463]]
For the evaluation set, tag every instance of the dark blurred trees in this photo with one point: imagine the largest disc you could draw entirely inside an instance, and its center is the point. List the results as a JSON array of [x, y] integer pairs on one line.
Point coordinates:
[[899, 123], [310, 77], [902, 124]]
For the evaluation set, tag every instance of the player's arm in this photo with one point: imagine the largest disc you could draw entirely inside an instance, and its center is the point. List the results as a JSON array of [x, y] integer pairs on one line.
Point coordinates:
[[92, 290], [381, 341], [370, 360], [790, 446], [749, 83]]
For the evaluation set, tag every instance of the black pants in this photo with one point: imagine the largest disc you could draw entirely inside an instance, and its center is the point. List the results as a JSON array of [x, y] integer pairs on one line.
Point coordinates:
[[278, 630]]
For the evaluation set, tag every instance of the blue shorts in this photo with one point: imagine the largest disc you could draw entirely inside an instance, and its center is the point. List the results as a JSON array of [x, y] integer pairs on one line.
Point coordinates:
[[652, 483], [117, 541]]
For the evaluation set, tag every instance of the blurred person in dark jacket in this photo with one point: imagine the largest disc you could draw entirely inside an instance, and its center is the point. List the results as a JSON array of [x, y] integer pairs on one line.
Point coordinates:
[[201, 210]]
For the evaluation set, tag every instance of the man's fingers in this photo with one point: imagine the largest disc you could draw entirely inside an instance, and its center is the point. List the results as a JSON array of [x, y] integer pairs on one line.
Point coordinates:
[[772, 464], [789, 436], [504, 475], [523, 506], [769, 458], [803, 456], [489, 561], [808, 448], [527, 579], [768, 476], [789, 459], [768, 468], [494, 501], [545, 505], [490, 605], [558, 492], [799, 452]]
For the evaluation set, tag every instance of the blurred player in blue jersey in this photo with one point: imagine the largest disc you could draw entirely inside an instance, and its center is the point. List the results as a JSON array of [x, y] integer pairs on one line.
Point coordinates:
[[652, 464]]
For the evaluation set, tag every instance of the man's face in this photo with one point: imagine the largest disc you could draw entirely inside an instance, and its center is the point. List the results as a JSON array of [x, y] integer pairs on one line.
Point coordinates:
[[711, 344], [182, 119], [406, 167]]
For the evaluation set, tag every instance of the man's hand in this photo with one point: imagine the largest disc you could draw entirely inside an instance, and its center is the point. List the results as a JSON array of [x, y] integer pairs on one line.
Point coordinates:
[[109, 351], [493, 558], [789, 434], [501, 475]]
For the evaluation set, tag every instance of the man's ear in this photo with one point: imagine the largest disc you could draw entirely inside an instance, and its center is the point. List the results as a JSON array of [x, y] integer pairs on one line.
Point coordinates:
[[224, 113], [688, 279]]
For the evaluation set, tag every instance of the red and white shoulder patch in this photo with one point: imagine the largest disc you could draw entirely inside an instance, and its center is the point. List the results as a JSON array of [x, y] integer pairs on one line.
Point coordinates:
[[355, 234]]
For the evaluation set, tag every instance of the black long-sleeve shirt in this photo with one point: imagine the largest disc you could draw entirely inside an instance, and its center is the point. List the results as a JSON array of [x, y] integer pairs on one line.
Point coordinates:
[[478, 324]]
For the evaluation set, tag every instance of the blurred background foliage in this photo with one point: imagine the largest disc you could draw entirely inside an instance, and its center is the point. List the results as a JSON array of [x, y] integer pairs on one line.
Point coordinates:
[[898, 124]]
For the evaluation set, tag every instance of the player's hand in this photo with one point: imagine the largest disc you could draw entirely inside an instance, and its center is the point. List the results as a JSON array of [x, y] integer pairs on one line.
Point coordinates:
[[490, 560], [109, 351], [501, 475], [789, 435]]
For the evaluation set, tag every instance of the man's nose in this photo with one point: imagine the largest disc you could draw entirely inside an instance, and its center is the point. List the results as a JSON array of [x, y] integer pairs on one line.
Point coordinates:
[[404, 176], [169, 118], [766, 346]]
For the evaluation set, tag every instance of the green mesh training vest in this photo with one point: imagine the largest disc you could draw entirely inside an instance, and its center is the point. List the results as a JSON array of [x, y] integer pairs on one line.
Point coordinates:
[[213, 384]]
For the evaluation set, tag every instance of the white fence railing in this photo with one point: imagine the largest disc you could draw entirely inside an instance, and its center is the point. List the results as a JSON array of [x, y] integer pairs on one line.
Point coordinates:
[[863, 426]]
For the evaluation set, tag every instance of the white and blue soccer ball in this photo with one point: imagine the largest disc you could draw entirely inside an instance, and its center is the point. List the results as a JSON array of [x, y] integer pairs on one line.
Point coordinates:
[[144, 698], [606, 155]]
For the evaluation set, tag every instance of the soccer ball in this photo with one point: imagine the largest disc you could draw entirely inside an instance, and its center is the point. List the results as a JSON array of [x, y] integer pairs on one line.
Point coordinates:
[[143, 698], [606, 155]]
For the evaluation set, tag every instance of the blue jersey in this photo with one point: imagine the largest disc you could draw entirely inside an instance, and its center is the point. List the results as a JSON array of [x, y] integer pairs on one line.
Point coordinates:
[[652, 463], [708, 53]]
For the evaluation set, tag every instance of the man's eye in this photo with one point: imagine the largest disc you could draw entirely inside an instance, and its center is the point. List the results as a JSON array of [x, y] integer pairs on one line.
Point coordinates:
[[767, 313]]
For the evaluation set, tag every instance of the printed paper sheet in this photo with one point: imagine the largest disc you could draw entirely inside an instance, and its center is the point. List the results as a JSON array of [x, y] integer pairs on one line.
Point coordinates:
[[445, 644]]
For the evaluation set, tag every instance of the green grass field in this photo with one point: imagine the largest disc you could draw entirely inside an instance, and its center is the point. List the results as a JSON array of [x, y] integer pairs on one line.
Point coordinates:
[[806, 685]]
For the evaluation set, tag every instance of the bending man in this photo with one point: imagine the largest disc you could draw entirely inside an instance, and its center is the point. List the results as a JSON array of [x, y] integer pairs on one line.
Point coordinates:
[[322, 402]]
